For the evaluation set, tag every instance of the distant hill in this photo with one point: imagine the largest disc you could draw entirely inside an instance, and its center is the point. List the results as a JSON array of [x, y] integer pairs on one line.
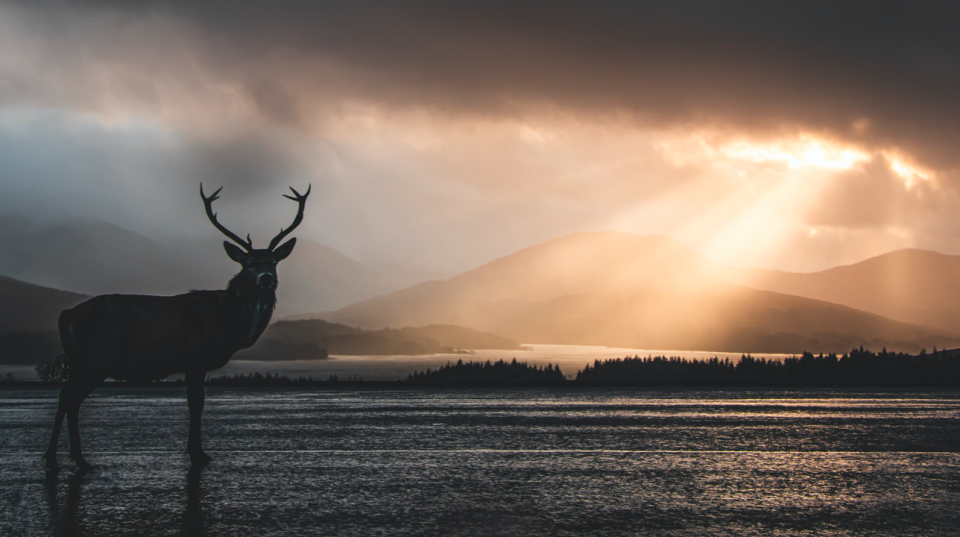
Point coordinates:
[[28, 321], [93, 257], [914, 286], [317, 274], [89, 257], [626, 290], [315, 339], [29, 348], [25, 307]]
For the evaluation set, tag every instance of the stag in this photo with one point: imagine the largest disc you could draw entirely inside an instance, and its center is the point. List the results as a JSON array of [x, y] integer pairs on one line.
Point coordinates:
[[144, 338]]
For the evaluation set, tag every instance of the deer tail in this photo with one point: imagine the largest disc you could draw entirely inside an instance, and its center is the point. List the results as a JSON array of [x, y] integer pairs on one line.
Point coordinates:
[[67, 341]]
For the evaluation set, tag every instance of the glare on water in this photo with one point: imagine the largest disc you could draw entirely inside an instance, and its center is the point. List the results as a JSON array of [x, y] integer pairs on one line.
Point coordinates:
[[492, 461]]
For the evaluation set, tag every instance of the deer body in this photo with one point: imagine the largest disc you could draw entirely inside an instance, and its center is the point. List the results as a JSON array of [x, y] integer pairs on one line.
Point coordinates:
[[152, 337], [143, 338]]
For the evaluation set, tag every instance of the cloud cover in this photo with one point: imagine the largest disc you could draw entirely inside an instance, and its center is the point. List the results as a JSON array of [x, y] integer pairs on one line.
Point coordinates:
[[445, 134]]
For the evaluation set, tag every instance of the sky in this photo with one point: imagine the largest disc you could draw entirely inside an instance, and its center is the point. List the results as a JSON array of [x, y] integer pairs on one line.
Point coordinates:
[[787, 135]]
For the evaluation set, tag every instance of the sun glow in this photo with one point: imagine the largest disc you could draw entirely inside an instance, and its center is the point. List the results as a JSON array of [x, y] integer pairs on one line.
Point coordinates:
[[806, 151], [910, 173], [763, 192]]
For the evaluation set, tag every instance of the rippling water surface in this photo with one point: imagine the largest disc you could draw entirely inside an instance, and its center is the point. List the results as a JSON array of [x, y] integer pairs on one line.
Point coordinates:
[[491, 462]]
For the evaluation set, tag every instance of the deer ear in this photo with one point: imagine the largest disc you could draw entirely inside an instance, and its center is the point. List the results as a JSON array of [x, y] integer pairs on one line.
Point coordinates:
[[284, 249], [235, 253]]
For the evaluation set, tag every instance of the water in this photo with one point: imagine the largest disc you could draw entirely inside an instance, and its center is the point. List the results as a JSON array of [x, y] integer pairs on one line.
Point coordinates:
[[570, 358], [510, 461]]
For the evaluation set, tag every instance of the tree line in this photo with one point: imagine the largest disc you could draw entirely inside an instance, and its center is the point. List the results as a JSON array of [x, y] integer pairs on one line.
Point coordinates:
[[499, 371], [857, 366]]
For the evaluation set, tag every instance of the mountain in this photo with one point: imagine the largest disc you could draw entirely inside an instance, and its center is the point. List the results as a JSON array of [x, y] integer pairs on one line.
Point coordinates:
[[317, 274], [32, 308], [626, 290], [89, 257], [914, 286], [28, 321], [93, 257]]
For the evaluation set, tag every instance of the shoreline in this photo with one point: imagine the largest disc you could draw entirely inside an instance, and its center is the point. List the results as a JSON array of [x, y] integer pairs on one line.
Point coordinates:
[[402, 384]]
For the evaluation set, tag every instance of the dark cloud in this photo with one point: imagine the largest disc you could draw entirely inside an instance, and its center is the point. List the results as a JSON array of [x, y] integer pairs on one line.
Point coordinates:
[[252, 96], [754, 65], [143, 178], [250, 165]]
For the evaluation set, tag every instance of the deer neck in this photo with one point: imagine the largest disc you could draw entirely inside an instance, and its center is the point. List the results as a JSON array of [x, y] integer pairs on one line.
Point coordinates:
[[255, 306]]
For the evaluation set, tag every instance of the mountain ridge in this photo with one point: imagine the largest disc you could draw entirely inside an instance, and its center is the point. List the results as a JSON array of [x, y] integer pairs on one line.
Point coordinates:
[[621, 289], [32, 308], [909, 285], [92, 257]]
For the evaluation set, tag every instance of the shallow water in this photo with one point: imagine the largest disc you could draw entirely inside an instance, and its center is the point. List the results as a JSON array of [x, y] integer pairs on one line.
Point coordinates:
[[570, 461]]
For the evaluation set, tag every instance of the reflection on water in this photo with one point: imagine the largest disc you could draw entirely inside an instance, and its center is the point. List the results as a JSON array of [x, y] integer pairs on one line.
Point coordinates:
[[492, 462], [193, 517], [64, 497], [63, 514]]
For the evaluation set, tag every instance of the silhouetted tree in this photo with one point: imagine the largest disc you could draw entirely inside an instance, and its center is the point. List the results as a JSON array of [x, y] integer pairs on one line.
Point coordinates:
[[858, 366], [500, 371], [56, 370]]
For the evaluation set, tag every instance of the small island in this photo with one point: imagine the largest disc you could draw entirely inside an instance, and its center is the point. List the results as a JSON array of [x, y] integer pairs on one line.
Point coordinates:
[[316, 339]]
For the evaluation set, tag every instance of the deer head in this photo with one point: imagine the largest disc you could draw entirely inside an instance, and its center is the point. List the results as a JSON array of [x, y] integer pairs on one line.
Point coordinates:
[[259, 265]]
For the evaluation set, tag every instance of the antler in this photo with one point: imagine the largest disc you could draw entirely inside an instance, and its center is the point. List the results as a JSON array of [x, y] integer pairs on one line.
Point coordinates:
[[208, 203], [302, 201]]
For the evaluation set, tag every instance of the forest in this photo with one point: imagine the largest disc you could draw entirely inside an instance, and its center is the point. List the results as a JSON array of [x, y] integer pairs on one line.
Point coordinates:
[[499, 371], [858, 366]]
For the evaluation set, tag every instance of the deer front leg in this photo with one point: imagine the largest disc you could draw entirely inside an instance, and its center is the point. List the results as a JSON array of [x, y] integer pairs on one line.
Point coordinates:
[[195, 402]]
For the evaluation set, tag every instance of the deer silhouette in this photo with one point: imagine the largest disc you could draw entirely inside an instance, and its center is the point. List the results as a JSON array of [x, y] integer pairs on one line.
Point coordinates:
[[143, 338]]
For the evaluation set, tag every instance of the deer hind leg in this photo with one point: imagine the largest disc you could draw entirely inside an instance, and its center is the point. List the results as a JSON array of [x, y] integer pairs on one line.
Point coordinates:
[[82, 387], [66, 394]]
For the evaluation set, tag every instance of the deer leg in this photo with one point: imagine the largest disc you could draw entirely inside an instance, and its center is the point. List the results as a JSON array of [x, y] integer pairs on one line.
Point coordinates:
[[83, 388], [66, 395], [51, 454], [195, 402]]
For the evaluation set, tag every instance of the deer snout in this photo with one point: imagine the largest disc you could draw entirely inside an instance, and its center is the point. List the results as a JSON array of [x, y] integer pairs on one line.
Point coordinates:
[[267, 281]]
